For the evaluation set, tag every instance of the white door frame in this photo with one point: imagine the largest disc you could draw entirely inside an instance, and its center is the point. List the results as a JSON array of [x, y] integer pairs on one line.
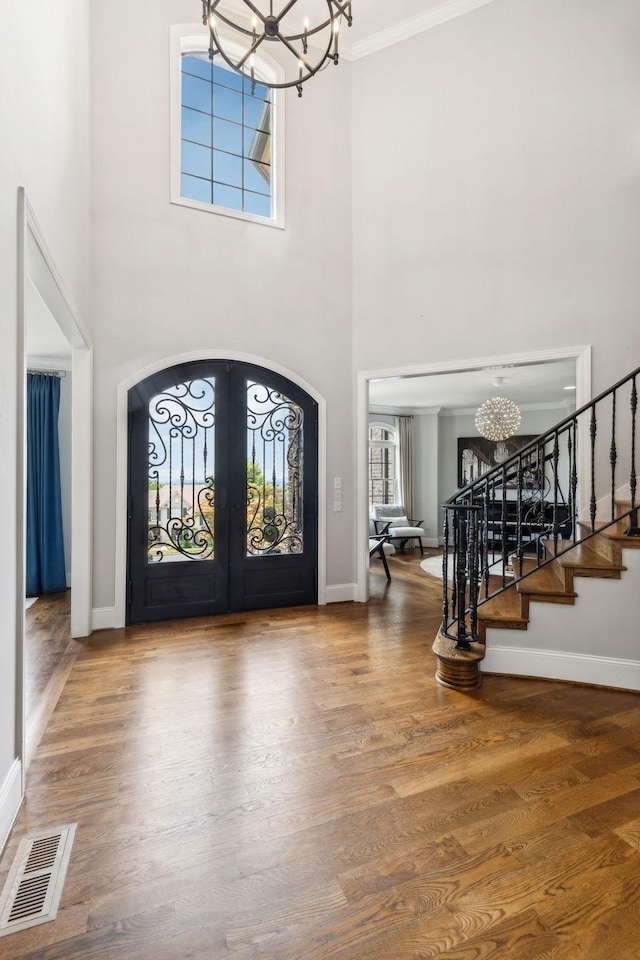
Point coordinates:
[[581, 354], [122, 461], [36, 263]]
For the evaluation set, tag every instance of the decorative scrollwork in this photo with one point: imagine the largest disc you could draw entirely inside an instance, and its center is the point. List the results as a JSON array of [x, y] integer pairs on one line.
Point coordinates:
[[181, 488], [274, 472]]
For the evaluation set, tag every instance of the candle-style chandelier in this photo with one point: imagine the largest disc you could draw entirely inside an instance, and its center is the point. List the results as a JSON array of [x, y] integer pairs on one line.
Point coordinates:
[[306, 32]]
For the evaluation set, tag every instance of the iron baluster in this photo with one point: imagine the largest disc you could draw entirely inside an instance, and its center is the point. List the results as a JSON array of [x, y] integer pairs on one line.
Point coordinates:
[[556, 455], [633, 516], [573, 486], [504, 537], [593, 428], [474, 575], [445, 569], [462, 641], [519, 543], [613, 455], [454, 571], [489, 514]]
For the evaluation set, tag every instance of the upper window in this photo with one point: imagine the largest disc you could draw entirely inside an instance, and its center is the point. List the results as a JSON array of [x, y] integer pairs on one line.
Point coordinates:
[[382, 464], [224, 157]]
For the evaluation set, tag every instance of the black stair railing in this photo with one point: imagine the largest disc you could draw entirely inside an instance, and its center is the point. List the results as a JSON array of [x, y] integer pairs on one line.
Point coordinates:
[[537, 504]]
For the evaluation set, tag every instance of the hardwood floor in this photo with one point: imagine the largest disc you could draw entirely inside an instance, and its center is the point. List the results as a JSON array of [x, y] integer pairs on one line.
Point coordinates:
[[49, 654], [294, 784]]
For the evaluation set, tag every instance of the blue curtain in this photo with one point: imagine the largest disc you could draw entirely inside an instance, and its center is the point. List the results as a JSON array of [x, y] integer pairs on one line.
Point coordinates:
[[45, 544]]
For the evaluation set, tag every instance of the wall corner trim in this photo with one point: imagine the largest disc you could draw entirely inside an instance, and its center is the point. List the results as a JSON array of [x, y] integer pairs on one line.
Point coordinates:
[[10, 800], [103, 618], [340, 592]]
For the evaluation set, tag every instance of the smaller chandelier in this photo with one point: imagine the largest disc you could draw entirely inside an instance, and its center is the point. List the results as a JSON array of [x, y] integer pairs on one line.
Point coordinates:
[[306, 32], [498, 419]]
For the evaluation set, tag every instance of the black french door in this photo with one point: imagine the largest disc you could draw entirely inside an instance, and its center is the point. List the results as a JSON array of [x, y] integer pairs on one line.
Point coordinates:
[[223, 462]]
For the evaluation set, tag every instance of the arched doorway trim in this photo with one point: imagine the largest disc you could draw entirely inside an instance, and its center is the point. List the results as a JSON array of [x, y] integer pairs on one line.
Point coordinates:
[[121, 461]]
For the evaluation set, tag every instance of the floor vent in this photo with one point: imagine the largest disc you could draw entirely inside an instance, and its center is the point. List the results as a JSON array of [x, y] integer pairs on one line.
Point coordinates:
[[32, 892]]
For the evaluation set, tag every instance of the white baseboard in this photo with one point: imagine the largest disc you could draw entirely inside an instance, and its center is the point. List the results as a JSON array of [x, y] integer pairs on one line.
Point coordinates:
[[103, 618], [10, 800], [340, 592], [432, 542], [556, 665]]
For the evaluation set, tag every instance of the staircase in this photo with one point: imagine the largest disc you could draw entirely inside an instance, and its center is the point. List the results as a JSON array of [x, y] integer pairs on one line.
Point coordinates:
[[498, 569]]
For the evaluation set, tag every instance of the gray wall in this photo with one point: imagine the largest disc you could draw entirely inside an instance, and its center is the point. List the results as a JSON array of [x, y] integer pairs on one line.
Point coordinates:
[[170, 279], [501, 213]]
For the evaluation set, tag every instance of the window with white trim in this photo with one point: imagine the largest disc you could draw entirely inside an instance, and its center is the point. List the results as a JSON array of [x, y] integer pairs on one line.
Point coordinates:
[[224, 131], [382, 463]]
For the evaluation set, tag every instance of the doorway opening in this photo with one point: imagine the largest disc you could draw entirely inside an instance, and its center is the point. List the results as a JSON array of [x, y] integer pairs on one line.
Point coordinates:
[[420, 392], [51, 337]]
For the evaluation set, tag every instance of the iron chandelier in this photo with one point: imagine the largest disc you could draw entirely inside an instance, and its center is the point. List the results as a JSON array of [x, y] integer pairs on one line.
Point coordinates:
[[307, 32]]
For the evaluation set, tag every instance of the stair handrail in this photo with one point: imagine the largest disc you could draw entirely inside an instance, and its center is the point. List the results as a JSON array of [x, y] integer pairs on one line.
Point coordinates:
[[475, 512]]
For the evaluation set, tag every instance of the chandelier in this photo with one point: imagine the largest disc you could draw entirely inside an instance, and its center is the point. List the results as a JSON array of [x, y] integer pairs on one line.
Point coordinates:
[[498, 419], [306, 31]]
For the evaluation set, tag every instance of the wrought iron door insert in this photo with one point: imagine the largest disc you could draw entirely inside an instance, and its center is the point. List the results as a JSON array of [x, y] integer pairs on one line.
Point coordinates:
[[222, 492]]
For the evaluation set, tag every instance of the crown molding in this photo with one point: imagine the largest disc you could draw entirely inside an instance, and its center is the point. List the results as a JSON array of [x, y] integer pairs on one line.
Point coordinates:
[[525, 407], [391, 411], [448, 10]]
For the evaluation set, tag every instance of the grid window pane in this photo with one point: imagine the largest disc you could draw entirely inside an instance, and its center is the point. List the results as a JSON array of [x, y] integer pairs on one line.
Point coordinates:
[[257, 113], [257, 177], [196, 160], [257, 203], [227, 196], [382, 465], [227, 103], [257, 145], [194, 189], [227, 78], [198, 66], [196, 93], [227, 168], [259, 90], [226, 138], [196, 126]]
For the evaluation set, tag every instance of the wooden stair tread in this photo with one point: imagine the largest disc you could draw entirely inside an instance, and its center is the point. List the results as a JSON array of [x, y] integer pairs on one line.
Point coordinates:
[[616, 531], [544, 581], [504, 608], [583, 556]]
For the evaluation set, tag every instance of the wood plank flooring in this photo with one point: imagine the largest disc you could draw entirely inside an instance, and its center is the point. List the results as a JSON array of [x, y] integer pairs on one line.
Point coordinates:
[[294, 785], [49, 653]]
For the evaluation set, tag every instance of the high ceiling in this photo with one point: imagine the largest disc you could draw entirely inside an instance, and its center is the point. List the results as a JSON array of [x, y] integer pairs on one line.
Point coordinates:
[[527, 384]]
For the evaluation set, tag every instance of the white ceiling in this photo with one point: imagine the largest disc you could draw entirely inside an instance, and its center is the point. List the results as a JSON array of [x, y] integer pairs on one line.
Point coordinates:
[[540, 383]]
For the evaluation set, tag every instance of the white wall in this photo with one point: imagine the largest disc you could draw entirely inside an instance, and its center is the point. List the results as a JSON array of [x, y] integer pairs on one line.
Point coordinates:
[[498, 210], [170, 279], [44, 103], [64, 438]]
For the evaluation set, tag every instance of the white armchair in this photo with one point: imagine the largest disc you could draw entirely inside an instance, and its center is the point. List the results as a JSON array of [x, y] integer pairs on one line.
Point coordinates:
[[401, 528]]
